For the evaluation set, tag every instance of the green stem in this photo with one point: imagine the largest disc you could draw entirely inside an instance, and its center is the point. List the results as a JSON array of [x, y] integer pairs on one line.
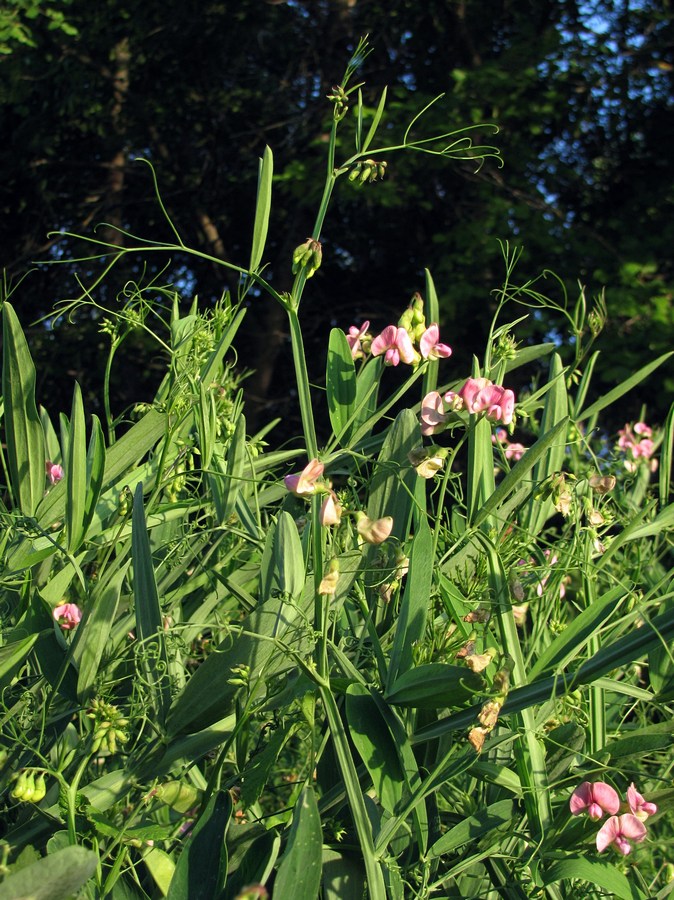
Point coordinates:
[[302, 379], [71, 797], [373, 872]]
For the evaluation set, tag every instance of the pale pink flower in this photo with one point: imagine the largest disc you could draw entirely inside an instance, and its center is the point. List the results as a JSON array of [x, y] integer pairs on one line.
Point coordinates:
[[396, 344], [374, 531], [597, 798], [68, 615], [430, 346], [305, 482], [619, 831], [638, 449], [639, 806], [331, 510], [432, 413], [643, 428], [470, 394], [515, 451], [353, 339], [54, 472]]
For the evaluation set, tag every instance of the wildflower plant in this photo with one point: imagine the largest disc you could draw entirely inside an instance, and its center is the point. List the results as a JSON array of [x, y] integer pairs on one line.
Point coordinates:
[[377, 663]]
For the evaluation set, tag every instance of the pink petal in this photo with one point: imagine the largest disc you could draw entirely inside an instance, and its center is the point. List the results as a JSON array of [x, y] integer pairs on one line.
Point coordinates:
[[632, 828], [384, 341], [606, 797], [608, 832], [428, 340], [406, 347], [581, 798]]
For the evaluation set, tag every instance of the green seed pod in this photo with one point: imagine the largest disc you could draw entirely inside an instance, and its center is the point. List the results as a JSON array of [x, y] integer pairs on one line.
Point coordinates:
[[179, 796], [355, 172], [20, 786], [381, 169], [40, 788], [29, 788]]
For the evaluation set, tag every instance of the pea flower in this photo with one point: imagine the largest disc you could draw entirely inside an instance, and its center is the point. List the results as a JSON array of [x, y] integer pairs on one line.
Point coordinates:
[[305, 482], [331, 510], [374, 531], [433, 415], [396, 344], [597, 798], [481, 395], [68, 615], [354, 337], [639, 806], [54, 472], [619, 831], [430, 346]]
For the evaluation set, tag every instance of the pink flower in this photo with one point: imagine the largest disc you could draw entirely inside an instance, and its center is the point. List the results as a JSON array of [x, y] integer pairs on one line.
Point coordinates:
[[597, 798], [353, 339], [54, 471], [396, 344], [639, 807], [430, 346], [480, 395], [331, 510], [68, 615], [620, 830], [305, 482], [628, 442], [374, 531]]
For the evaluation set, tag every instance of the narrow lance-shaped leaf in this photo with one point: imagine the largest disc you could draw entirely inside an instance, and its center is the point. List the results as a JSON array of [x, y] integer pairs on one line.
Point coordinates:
[[340, 382], [148, 613], [262, 208], [23, 429], [95, 472], [430, 381], [375, 122], [299, 872], [76, 474]]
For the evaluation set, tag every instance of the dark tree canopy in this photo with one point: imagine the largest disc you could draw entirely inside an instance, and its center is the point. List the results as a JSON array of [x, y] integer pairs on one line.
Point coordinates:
[[581, 92]]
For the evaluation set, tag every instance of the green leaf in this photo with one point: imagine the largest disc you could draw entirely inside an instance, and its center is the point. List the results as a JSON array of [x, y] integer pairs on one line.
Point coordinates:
[[255, 866], [209, 694], [554, 412], [340, 383], [149, 622], [491, 819], [161, 867], [434, 686], [392, 484], [257, 772], [367, 390], [567, 645], [623, 387], [58, 876], [76, 473], [411, 623], [13, 654], [299, 872], [432, 312], [602, 874], [95, 473], [375, 122], [374, 743], [95, 628], [517, 475], [343, 876], [288, 556], [262, 208], [480, 473], [202, 865], [23, 430]]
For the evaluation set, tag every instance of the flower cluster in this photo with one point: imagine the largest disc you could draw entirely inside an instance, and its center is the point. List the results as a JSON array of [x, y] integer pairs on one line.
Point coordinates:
[[478, 395], [636, 442], [410, 341], [597, 798], [309, 481]]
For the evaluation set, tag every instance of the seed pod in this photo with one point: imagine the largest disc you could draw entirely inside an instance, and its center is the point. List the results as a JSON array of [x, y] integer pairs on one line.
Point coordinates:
[[179, 796], [20, 786], [40, 788]]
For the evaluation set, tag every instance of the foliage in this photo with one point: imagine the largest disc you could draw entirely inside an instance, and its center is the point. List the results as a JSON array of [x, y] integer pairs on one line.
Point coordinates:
[[374, 663], [581, 93]]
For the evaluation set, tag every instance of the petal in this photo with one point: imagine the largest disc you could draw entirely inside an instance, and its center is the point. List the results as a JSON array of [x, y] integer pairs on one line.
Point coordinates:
[[608, 832], [632, 828], [606, 797], [428, 340], [581, 797], [406, 347], [384, 341]]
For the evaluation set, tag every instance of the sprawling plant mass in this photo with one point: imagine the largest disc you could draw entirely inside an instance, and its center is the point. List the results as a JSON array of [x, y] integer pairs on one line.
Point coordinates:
[[425, 655]]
